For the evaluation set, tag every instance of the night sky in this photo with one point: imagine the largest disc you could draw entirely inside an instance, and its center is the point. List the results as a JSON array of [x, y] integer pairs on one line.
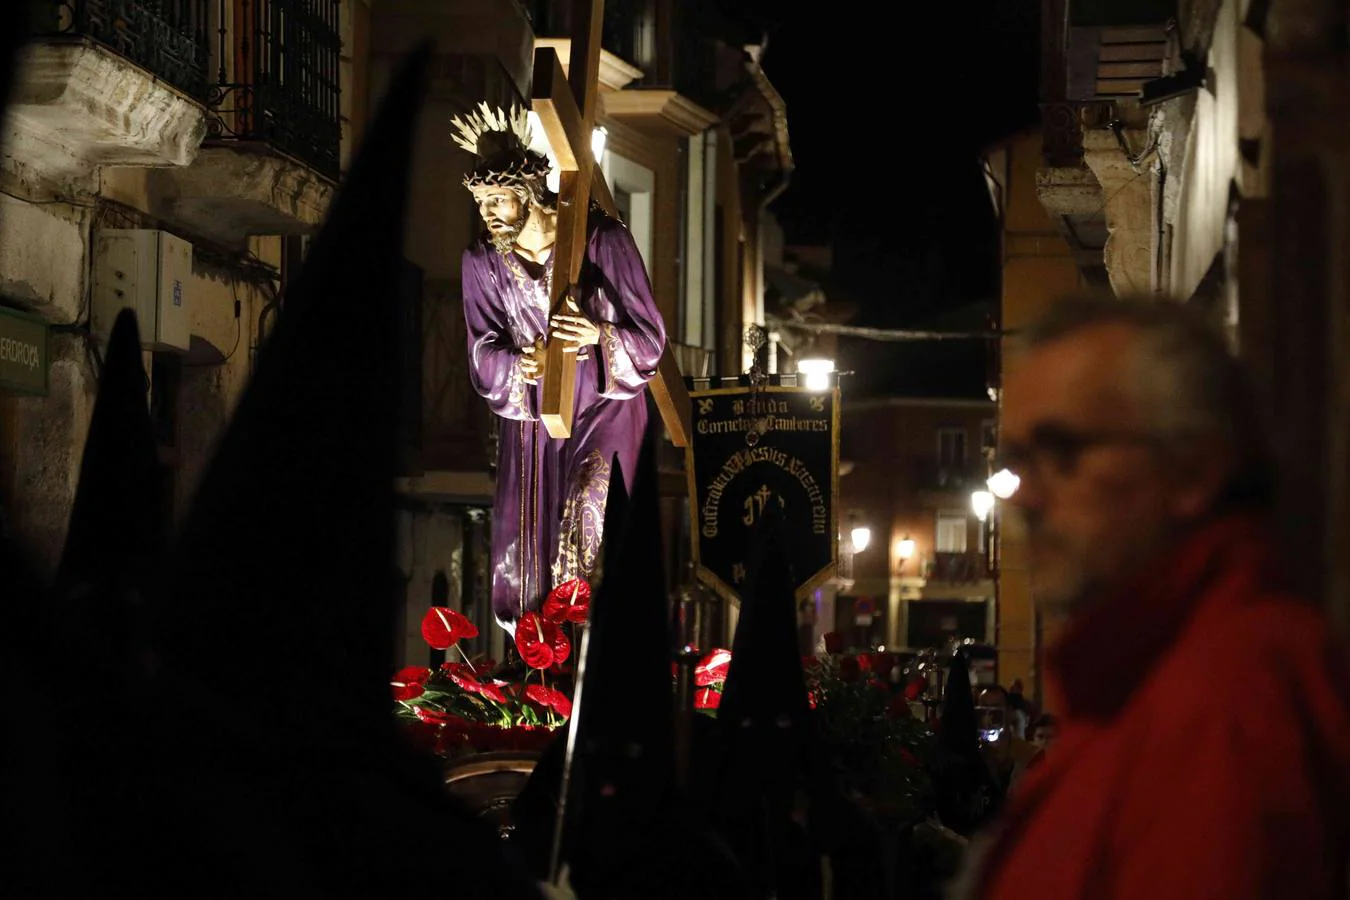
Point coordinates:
[[887, 115]]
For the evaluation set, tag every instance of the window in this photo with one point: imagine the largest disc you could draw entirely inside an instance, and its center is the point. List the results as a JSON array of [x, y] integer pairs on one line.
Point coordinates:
[[988, 435], [636, 185], [952, 448], [952, 528]]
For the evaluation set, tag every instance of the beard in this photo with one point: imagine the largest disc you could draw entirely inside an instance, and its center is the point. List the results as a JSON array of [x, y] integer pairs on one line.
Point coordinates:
[[1072, 571], [504, 237], [1060, 567]]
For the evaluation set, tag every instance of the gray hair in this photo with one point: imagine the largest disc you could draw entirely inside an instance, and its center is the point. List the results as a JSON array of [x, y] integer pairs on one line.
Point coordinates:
[[1186, 380]]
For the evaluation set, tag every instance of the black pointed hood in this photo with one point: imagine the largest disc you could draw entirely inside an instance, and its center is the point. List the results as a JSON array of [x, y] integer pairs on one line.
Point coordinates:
[[285, 563], [967, 793], [116, 521], [89, 622], [776, 801], [33, 854], [113, 542], [273, 765], [959, 732], [624, 768], [766, 735], [628, 677], [765, 684]]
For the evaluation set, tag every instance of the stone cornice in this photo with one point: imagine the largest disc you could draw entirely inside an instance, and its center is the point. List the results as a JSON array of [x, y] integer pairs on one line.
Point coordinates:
[[673, 109]]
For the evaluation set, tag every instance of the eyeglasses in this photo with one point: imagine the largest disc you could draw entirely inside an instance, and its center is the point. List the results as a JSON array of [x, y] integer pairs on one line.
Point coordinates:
[[1057, 449]]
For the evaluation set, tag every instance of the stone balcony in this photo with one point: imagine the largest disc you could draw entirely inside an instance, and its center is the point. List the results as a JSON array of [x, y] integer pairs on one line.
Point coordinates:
[[232, 192], [78, 105]]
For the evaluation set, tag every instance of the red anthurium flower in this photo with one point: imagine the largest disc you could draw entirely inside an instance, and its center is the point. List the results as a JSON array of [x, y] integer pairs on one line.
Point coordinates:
[[568, 602], [712, 668], [866, 661], [407, 683], [550, 697], [464, 680], [493, 692], [914, 690], [562, 704], [707, 698], [442, 626], [541, 643], [811, 698], [430, 716]]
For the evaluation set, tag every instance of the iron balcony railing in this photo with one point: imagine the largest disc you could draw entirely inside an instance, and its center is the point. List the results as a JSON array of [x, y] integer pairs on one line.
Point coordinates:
[[277, 79], [167, 38], [957, 568]]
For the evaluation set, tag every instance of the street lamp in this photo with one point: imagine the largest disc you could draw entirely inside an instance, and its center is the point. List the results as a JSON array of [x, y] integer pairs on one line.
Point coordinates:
[[905, 549], [817, 372], [981, 502], [861, 536], [1003, 483]]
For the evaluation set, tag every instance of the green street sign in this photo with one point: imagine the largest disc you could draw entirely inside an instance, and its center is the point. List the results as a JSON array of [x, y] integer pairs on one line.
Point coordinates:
[[23, 352]]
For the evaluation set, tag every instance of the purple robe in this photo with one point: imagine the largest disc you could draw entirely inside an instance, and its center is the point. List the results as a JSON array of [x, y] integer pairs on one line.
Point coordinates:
[[548, 515]]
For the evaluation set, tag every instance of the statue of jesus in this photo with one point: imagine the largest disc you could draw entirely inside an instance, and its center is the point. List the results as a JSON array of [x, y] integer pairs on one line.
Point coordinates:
[[548, 514]]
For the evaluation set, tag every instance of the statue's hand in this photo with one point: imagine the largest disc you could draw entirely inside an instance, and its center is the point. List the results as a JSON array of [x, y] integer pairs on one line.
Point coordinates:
[[532, 361], [574, 327]]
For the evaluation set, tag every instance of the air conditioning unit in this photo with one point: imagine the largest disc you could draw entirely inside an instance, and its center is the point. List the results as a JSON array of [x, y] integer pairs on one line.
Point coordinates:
[[148, 271]]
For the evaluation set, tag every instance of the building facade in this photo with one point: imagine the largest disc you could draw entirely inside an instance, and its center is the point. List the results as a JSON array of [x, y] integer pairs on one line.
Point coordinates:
[[1038, 265], [908, 468], [1191, 150]]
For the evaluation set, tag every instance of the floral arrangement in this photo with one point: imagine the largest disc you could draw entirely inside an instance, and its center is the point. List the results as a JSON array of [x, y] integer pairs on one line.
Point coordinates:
[[881, 752], [472, 705]]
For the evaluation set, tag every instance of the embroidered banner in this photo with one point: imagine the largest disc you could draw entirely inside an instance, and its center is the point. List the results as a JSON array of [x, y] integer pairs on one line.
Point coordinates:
[[755, 446]]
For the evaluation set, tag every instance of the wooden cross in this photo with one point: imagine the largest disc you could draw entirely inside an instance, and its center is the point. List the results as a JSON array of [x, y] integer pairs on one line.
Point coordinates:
[[566, 109]]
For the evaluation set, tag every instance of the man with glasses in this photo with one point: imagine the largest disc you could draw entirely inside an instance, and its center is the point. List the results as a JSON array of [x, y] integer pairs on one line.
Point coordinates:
[[1145, 493]]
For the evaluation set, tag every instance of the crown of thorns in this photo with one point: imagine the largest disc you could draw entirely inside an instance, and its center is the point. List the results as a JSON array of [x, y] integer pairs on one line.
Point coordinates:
[[500, 139]]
